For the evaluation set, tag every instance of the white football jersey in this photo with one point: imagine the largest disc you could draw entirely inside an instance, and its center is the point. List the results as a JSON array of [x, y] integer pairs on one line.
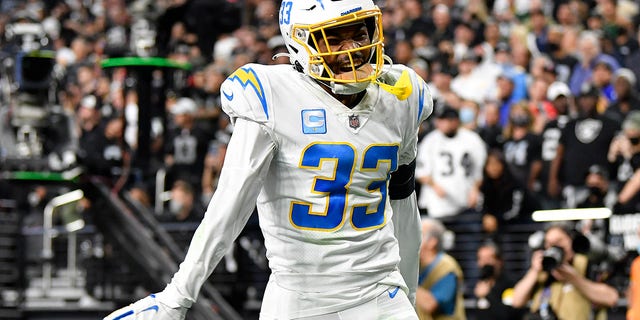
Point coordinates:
[[455, 164], [318, 172]]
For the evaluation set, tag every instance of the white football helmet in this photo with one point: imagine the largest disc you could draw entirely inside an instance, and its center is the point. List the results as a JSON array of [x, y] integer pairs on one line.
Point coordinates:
[[303, 22]]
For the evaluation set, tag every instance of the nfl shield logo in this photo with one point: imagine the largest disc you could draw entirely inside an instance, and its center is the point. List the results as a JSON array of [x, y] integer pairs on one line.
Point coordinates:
[[354, 121]]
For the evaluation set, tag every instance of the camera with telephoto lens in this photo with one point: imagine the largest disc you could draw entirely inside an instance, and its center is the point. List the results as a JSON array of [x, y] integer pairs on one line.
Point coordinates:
[[487, 272], [552, 258]]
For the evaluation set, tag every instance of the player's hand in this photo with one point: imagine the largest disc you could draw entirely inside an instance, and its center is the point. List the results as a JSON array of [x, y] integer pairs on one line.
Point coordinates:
[[148, 308]]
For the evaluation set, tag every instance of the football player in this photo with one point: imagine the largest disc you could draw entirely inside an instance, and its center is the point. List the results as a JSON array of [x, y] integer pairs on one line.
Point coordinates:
[[314, 146]]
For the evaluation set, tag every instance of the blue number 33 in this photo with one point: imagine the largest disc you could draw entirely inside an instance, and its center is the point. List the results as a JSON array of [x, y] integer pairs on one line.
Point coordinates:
[[336, 188]]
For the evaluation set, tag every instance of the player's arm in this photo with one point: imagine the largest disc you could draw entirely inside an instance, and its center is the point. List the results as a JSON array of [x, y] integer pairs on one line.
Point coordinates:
[[406, 224], [247, 161], [248, 158]]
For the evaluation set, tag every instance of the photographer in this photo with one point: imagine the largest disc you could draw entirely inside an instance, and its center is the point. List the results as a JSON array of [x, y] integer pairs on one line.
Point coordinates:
[[494, 288], [557, 284]]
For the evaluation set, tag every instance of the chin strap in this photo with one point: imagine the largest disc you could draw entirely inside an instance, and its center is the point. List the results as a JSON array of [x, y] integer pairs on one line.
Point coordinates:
[[401, 89]]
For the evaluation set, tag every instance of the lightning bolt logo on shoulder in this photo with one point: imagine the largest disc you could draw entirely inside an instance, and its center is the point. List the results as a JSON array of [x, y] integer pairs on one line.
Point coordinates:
[[247, 77]]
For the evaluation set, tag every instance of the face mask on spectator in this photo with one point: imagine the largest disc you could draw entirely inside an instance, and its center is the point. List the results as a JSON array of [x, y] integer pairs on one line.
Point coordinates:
[[520, 120], [467, 115], [175, 206], [596, 191]]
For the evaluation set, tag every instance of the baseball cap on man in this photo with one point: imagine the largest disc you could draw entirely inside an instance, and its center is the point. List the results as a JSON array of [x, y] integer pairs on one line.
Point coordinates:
[[626, 74], [89, 102], [588, 90], [447, 112], [184, 106], [557, 89]]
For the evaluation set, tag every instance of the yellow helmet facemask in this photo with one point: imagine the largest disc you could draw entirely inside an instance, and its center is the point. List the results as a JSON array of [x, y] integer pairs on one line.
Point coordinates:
[[309, 36]]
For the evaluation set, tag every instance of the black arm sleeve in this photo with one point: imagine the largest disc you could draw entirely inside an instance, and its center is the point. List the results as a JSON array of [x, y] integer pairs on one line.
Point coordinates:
[[403, 181]]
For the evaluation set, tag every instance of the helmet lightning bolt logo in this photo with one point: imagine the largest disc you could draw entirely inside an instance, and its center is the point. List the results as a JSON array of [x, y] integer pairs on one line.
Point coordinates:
[[248, 77]]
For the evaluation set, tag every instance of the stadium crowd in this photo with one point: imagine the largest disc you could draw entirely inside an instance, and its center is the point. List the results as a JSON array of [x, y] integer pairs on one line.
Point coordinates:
[[536, 102]]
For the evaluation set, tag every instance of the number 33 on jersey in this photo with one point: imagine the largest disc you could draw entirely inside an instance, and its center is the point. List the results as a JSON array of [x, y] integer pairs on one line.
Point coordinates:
[[339, 158]]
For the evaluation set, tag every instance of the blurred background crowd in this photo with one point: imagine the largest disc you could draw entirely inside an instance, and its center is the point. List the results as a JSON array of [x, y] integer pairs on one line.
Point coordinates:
[[543, 94]]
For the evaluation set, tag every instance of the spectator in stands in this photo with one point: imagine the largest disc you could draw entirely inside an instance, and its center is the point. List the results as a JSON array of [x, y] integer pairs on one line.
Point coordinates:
[[597, 193], [561, 50], [566, 290], [517, 68], [538, 37], [183, 205], [625, 153], [624, 84], [92, 139], [463, 41], [504, 198], [469, 114], [522, 147], [612, 22], [440, 85], [416, 19], [584, 142], [195, 87], [439, 294], [470, 84], [560, 96], [212, 165], [490, 129], [507, 94], [449, 167], [590, 53], [116, 153], [209, 110], [541, 109], [491, 39], [186, 145], [441, 24], [542, 68], [494, 289], [602, 78], [632, 61], [403, 51], [420, 66]]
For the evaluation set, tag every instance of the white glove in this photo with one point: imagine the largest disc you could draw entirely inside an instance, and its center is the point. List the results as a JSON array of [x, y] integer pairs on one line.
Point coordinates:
[[148, 308]]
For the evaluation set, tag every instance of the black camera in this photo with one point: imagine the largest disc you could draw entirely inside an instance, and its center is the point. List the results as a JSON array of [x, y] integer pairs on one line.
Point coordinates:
[[487, 272], [552, 258]]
